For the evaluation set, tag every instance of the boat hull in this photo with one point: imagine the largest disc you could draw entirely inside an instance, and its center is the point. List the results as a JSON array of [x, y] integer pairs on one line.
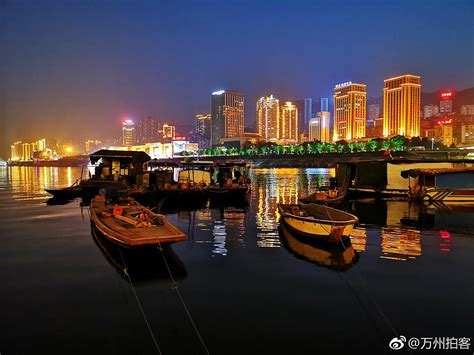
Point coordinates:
[[328, 230], [130, 237], [449, 195]]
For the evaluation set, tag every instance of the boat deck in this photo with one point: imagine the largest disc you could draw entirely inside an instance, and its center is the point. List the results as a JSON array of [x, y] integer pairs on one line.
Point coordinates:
[[126, 233]]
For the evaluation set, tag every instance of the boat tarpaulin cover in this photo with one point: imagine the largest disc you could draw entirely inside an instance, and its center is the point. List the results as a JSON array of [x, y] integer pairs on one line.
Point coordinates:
[[371, 175]]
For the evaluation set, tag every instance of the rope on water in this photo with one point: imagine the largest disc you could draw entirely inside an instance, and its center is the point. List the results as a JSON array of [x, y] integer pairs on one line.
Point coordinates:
[[155, 342], [364, 285], [174, 285]]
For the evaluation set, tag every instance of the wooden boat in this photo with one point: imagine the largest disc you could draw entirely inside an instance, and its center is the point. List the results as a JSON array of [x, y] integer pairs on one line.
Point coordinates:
[[159, 185], [132, 225], [331, 255], [141, 265], [65, 194], [449, 185], [324, 198], [383, 178], [318, 221], [231, 182]]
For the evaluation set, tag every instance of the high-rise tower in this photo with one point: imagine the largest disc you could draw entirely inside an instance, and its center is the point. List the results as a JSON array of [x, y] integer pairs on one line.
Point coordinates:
[[227, 115], [349, 111], [401, 106]]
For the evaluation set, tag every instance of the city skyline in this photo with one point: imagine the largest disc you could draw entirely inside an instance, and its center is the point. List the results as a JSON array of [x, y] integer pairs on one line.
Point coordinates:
[[65, 66]]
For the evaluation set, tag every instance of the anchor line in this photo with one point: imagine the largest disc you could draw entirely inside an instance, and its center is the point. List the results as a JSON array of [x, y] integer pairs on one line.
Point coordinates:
[[174, 285], [364, 285], [155, 342]]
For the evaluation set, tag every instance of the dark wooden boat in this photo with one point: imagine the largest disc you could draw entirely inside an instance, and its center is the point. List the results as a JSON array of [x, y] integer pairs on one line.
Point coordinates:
[[322, 198], [140, 265], [65, 194], [317, 221], [331, 255], [132, 225]]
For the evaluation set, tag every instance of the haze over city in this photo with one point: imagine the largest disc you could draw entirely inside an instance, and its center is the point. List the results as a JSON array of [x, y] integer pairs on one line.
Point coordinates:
[[77, 69]]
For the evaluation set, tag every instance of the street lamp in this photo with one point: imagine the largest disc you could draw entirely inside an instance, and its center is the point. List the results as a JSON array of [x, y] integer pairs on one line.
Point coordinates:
[[432, 143]]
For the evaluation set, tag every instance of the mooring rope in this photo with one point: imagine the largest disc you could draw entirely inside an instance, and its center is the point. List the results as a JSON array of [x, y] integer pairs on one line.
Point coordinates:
[[125, 270], [174, 285], [364, 285]]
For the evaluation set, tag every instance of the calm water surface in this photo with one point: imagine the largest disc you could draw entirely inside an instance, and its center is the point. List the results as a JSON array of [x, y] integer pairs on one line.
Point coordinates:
[[250, 286]]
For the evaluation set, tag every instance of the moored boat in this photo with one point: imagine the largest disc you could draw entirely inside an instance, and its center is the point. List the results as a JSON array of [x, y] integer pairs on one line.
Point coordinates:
[[451, 185], [131, 225], [331, 255], [325, 198], [65, 194], [231, 182], [159, 185], [317, 221]]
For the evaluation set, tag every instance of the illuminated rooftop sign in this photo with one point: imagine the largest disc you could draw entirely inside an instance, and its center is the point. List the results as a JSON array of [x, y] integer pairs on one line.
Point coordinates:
[[446, 95], [220, 92], [343, 84]]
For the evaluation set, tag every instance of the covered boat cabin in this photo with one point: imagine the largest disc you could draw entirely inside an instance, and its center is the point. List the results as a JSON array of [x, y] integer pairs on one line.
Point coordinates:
[[158, 173], [231, 172], [455, 184], [196, 172], [119, 165]]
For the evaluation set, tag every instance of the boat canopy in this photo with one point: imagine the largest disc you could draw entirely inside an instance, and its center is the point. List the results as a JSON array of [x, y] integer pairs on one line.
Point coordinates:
[[119, 154], [413, 173], [157, 163]]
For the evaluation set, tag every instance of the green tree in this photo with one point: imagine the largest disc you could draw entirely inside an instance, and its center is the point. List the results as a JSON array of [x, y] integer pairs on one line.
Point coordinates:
[[398, 143], [372, 146]]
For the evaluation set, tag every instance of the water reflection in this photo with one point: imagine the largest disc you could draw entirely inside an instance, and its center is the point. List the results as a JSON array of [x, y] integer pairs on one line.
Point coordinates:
[[331, 255], [359, 239], [31, 182], [274, 186], [225, 227], [144, 265], [399, 243]]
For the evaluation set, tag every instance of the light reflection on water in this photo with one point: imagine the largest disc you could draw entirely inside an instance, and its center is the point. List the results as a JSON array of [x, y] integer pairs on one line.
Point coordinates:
[[396, 225], [285, 185]]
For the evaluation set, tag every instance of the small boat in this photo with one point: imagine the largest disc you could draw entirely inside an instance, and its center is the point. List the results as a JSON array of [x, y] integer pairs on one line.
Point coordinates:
[[317, 221], [141, 265], [65, 194], [159, 185], [130, 224], [325, 198], [448, 185], [231, 183], [331, 255]]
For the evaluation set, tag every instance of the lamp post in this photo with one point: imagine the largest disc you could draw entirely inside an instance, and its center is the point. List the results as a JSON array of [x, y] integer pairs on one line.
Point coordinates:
[[432, 143]]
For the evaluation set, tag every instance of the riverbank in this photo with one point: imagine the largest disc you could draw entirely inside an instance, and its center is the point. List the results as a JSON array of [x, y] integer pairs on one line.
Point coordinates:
[[75, 161]]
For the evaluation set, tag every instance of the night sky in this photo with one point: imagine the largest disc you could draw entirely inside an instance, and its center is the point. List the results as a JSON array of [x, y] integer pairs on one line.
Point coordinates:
[[76, 68]]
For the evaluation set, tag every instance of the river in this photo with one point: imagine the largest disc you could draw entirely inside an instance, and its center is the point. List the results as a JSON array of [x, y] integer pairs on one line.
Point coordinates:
[[244, 285]]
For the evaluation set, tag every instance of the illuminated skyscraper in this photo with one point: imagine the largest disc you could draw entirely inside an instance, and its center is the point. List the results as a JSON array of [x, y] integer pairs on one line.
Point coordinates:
[[319, 127], [288, 126], [147, 130], [128, 128], [446, 102], [308, 111], [268, 118], [203, 125], [169, 131], [430, 111], [349, 111], [324, 104], [227, 115], [401, 106]]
